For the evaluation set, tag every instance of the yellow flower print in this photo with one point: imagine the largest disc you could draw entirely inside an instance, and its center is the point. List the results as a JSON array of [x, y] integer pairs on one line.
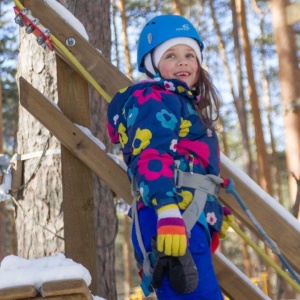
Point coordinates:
[[187, 198], [122, 133], [180, 89], [154, 202], [141, 140], [184, 127]]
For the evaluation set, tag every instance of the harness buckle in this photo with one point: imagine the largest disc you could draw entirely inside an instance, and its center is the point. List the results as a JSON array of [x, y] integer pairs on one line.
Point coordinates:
[[178, 175]]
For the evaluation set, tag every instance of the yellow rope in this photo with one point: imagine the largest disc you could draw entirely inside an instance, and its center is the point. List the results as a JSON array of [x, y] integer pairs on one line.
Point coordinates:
[[275, 266], [76, 63]]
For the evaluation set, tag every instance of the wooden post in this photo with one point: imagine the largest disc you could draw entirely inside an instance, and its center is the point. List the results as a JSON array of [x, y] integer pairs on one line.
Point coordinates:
[[77, 180]]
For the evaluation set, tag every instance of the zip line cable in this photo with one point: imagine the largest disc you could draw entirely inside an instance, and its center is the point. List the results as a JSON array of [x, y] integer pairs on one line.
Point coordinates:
[[275, 266], [269, 242]]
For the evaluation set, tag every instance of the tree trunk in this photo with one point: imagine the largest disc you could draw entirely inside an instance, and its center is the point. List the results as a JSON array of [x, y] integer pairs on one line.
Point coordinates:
[[176, 8], [289, 75], [264, 176], [121, 6], [127, 256], [240, 101], [42, 190], [3, 236], [115, 34]]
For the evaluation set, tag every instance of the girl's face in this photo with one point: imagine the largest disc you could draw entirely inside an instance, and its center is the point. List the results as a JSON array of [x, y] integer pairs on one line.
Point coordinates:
[[180, 61]]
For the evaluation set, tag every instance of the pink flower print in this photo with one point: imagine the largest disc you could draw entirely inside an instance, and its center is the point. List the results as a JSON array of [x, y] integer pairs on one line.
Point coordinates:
[[209, 132], [113, 133], [169, 86], [146, 94], [200, 151], [173, 145], [116, 118], [154, 165], [211, 218]]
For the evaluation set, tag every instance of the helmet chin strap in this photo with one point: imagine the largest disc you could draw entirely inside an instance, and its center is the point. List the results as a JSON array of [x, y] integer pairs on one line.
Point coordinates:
[[153, 64], [149, 66]]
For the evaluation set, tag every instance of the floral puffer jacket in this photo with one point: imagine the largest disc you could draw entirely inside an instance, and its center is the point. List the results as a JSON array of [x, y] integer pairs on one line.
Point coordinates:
[[159, 130]]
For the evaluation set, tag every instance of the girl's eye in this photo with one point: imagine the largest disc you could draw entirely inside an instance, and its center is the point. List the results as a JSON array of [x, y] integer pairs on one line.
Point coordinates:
[[170, 55], [190, 55]]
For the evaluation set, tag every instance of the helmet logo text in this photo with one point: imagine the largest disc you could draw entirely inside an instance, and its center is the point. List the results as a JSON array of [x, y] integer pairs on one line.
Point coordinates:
[[149, 37], [185, 27]]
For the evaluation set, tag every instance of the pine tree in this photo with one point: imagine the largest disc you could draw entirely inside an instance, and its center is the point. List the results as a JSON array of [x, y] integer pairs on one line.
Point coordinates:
[[8, 58]]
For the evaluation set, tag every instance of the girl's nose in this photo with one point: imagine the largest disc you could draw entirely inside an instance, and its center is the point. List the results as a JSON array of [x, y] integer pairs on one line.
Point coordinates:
[[182, 62]]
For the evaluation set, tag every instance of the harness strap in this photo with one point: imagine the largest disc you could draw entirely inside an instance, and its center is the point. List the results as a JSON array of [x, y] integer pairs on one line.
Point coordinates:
[[203, 185], [207, 183], [194, 210], [147, 268]]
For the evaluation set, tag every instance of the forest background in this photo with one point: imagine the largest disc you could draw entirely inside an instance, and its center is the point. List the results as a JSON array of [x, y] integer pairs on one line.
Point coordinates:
[[252, 54]]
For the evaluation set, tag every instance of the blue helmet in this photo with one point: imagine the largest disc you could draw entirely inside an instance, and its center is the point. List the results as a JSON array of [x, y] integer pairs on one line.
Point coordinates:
[[161, 29]]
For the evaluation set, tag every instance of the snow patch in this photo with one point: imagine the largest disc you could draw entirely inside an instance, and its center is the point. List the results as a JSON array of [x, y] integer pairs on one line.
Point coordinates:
[[88, 133], [17, 271], [118, 161], [68, 17], [261, 194]]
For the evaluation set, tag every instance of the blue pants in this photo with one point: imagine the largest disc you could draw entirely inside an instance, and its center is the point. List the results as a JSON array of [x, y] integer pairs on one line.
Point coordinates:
[[208, 287]]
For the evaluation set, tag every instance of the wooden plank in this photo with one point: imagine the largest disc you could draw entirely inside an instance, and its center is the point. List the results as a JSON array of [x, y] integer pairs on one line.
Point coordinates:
[[76, 141], [230, 278], [17, 177], [65, 287], [283, 228], [18, 292], [293, 13], [64, 297], [77, 178], [100, 68]]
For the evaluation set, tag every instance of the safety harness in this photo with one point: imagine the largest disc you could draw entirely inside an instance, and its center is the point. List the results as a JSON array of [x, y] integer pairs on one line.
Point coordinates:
[[203, 185]]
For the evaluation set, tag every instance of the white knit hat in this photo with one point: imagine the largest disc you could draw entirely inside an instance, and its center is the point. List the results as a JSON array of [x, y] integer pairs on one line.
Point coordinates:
[[162, 48]]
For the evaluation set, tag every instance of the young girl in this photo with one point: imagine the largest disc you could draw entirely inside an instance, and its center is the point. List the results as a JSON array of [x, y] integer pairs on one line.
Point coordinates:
[[165, 128]]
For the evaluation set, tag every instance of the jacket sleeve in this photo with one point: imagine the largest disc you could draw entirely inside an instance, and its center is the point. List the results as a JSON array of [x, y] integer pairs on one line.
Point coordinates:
[[149, 127]]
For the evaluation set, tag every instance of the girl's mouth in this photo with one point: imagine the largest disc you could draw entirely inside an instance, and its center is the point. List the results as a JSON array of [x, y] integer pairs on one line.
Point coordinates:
[[182, 74]]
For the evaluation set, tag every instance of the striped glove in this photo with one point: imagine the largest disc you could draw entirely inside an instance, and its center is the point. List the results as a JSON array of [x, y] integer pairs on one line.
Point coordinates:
[[171, 231]]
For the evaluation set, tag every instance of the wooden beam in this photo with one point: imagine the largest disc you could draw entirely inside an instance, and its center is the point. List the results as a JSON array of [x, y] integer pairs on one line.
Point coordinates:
[[77, 178], [75, 140], [234, 283], [293, 13], [18, 292], [17, 177], [278, 223], [101, 69], [66, 288]]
